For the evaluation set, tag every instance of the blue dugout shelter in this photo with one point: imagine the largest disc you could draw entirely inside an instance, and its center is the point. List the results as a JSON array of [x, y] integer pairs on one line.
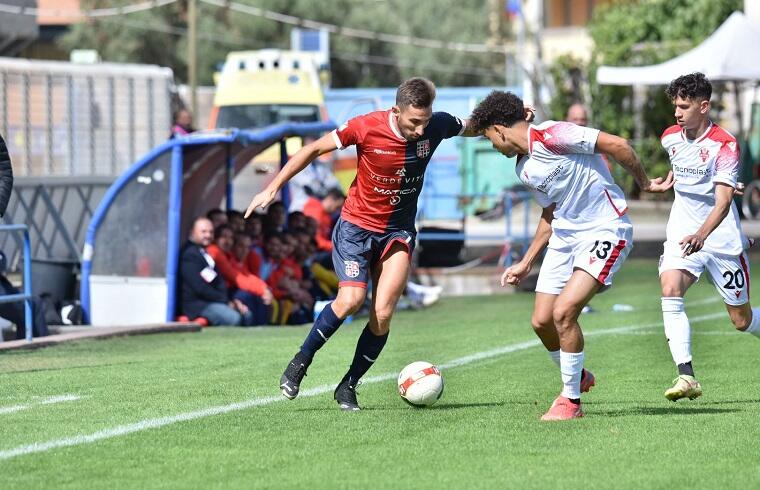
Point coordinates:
[[131, 252]]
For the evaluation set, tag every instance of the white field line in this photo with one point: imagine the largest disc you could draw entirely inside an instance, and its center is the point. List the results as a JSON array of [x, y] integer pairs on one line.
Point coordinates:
[[47, 401], [153, 423]]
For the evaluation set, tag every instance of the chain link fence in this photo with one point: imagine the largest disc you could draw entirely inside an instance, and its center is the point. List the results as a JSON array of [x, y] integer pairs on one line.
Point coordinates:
[[63, 119]]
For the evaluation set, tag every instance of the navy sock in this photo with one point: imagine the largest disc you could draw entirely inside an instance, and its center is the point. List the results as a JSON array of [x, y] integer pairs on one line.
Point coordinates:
[[686, 368], [368, 348], [325, 325]]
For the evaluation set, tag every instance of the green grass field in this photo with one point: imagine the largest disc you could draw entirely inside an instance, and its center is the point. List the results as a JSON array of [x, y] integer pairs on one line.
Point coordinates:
[[203, 410]]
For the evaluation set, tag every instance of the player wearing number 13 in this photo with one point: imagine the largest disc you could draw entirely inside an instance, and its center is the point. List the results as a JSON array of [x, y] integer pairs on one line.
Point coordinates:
[[584, 224], [703, 229]]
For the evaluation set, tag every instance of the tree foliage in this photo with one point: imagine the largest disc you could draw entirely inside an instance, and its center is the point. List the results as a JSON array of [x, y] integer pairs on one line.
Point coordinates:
[[634, 33], [158, 36]]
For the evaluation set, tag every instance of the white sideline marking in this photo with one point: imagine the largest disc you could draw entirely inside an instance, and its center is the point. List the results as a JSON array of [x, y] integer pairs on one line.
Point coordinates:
[[154, 423], [46, 401]]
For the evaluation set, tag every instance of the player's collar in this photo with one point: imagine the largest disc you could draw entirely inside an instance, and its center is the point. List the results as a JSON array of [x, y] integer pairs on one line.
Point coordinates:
[[394, 126], [700, 137]]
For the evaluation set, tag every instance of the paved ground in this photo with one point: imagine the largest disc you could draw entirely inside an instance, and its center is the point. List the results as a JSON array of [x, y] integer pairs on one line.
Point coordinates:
[[69, 334]]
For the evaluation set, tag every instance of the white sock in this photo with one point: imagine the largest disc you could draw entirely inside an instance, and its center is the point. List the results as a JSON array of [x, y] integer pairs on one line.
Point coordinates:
[[677, 329], [571, 366], [754, 325], [554, 354]]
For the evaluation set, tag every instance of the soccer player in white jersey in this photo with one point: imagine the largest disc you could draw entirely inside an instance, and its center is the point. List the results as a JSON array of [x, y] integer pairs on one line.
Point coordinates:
[[583, 223], [703, 232]]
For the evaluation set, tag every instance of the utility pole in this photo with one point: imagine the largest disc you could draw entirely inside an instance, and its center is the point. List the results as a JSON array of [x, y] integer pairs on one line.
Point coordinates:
[[192, 61]]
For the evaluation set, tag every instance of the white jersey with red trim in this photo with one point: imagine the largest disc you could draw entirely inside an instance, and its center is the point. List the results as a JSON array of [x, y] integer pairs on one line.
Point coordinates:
[[562, 168], [697, 166]]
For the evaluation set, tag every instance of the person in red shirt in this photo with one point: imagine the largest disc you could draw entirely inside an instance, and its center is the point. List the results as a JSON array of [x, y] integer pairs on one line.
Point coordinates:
[[246, 287], [323, 211], [283, 277], [375, 234]]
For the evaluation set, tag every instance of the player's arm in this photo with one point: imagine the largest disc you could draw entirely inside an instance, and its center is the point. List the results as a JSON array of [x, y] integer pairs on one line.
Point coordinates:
[[513, 274], [623, 153], [724, 194], [297, 162], [469, 130]]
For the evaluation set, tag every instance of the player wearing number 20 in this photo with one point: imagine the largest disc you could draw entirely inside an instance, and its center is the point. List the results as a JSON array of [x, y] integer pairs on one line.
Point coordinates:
[[583, 223], [703, 229]]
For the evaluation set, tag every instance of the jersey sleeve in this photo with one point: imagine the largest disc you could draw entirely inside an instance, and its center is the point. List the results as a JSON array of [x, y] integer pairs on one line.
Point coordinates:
[[565, 138], [450, 125], [349, 133], [542, 199], [727, 164]]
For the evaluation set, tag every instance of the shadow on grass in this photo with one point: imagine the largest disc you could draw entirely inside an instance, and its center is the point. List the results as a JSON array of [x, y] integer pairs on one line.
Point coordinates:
[[734, 402], [674, 410], [403, 406], [67, 368]]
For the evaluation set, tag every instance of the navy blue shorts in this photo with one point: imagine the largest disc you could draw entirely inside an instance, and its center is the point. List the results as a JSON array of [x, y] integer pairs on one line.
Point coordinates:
[[356, 250]]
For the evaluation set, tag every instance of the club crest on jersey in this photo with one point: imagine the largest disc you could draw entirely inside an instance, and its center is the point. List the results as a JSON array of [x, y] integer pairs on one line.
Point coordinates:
[[352, 268], [673, 151], [423, 148], [703, 154]]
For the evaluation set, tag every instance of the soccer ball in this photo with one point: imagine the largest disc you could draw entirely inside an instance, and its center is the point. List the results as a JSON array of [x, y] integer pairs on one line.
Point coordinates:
[[420, 384]]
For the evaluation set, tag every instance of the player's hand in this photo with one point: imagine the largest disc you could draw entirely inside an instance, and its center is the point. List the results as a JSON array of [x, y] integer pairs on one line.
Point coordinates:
[[739, 189], [530, 113], [659, 184], [240, 306], [261, 200], [691, 244], [514, 273]]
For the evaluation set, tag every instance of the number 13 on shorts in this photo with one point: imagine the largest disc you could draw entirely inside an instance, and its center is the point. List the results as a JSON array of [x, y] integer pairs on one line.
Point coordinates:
[[602, 258]]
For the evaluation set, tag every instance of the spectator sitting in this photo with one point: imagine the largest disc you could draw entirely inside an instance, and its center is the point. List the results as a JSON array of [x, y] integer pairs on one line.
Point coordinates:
[[202, 290], [217, 217], [254, 228], [235, 220], [324, 281], [274, 220], [183, 124], [246, 255], [245, 287], [322, 211], [16, 312], [296, 220], [283, 276]]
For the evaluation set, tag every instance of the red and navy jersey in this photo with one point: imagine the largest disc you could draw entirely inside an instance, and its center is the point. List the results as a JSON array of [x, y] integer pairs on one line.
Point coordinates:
[[390, 170]]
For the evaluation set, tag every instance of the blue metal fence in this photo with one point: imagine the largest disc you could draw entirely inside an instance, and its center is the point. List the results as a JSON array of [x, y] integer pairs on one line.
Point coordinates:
[[513, 233], [26, 296]]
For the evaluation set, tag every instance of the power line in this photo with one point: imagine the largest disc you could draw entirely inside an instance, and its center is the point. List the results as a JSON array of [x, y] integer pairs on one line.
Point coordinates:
[[355, 57], [68, 13], [439, 67], [182, 31], [356, 33]]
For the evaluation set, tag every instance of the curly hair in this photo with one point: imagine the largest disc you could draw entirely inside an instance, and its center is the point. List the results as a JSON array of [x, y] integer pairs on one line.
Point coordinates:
[[503, 108], [692, 86]]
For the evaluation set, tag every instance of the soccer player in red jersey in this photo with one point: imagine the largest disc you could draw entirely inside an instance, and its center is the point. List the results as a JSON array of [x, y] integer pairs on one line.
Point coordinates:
[[375, 234]]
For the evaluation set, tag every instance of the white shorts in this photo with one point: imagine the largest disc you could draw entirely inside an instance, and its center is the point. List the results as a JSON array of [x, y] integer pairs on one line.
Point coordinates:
[[600, 252], [729, 273]]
